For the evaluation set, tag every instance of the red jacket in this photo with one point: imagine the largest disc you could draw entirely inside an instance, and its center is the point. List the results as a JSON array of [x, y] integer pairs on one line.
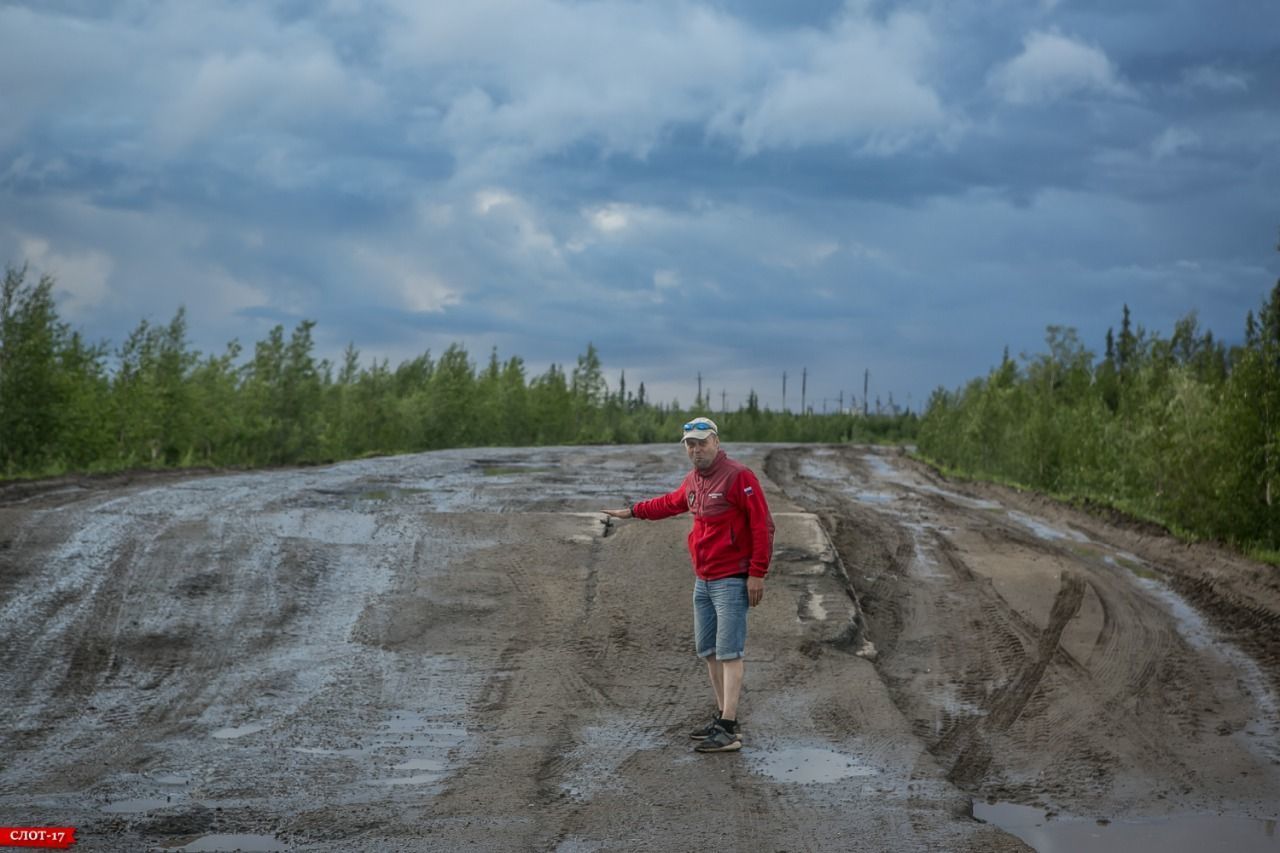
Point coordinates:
[[732, 527]]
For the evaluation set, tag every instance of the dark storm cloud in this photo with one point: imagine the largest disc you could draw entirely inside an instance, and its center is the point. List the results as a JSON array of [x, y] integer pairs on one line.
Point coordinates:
[[748, 187]]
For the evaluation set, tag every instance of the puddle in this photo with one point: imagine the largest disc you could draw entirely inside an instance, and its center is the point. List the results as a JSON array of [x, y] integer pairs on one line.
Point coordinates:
[[923, 563], [808, 765], [1066, 834], [388, 494], [1045, 531], [231, 842], [416, 779], [319, 526], [512, 470], [813, 607], [956, 497], [421, 764], [578, 845], [427, 743], [1193, 628], [434, 772], [872, 497], [883, 469], [1133, 564], [170, 779], [137, 805], [232, 732]]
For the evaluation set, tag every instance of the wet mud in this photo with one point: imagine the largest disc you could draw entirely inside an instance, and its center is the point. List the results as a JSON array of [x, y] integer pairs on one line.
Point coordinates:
[[455, 650]]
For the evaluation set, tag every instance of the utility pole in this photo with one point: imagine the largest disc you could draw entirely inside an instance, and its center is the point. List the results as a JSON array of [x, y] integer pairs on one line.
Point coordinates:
[[804, 387], [699, 402], [784, 390], [866, 379], [722, 396], [840, 397]]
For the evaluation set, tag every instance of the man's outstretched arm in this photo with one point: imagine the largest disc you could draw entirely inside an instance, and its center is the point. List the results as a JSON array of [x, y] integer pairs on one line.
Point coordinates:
[[663, 506]]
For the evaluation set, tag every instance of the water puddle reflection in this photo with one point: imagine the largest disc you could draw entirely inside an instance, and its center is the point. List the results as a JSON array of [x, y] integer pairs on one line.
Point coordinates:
[[1067, 834], [423, 746], [233, 732], [137, 805], [390, 493], [808, 765], [514, 470], [1045, 531], [231, 842]]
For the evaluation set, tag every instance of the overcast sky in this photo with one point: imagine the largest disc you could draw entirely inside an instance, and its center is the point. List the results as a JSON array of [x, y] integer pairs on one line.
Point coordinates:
[[731, 188]]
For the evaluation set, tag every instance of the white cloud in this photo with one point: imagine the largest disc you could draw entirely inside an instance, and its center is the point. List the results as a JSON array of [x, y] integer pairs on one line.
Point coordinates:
[[799, 252], [620, 220], [487, 200], [254, 90], [863, 85], [666, 279], [518, 224], [225, 295], [28, 168], [1052, 66], [415, 286], [622, 75], [610, 218], [613, 73], [1173, 141], [80, 277], [1210, 78]]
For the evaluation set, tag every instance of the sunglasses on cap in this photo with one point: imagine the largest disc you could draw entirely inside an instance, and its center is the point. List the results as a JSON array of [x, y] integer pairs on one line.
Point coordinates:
[[690, 427]]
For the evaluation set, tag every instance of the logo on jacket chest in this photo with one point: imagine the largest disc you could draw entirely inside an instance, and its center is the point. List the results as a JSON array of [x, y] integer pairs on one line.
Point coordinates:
[[701, 503]]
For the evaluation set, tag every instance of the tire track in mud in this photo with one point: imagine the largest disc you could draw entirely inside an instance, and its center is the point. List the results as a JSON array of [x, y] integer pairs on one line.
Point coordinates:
[[543, 691], [968, 740], [1031, 666]]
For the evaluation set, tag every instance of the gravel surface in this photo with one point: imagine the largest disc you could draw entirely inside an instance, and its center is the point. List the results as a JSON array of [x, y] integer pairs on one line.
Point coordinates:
[[454, 649]]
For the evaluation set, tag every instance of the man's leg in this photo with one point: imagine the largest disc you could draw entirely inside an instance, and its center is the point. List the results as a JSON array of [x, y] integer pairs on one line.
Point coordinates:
[[704, 639], [715, 671], [729, 597], [731, 686]]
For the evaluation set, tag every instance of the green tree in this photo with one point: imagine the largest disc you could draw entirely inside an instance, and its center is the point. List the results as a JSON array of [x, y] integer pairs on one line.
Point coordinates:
[[33, 384], [448, 404]]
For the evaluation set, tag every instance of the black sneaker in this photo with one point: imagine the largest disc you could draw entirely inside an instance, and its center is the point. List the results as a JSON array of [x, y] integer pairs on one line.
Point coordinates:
[[706, 731], [720, 741]]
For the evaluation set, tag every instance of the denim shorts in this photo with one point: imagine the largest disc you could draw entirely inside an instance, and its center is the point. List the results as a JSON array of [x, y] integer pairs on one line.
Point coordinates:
[[720, 617]]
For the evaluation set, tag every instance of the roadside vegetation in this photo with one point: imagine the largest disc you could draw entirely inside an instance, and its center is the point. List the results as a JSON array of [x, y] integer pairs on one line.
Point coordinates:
[[69, 405], [1183, 430]]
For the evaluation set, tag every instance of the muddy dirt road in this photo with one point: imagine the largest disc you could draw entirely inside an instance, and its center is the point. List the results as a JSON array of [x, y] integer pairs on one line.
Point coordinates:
[[453, 650]]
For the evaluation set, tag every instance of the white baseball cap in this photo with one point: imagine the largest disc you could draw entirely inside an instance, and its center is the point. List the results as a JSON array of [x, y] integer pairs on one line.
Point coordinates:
[[699, 429]]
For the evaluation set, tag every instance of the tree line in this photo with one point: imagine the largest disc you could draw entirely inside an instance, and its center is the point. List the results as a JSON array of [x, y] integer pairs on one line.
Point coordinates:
[[67, 404], [1183, 430]]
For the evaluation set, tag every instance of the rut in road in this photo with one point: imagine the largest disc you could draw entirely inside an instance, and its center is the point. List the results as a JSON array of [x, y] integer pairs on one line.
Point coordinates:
[[1030, 661]]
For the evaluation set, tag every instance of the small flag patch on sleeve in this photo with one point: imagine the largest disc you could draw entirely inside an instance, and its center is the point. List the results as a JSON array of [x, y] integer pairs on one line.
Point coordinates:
[[747, 490]]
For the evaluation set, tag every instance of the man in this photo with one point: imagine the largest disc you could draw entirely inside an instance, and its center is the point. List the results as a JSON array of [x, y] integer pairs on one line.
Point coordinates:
[[730, 544]]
